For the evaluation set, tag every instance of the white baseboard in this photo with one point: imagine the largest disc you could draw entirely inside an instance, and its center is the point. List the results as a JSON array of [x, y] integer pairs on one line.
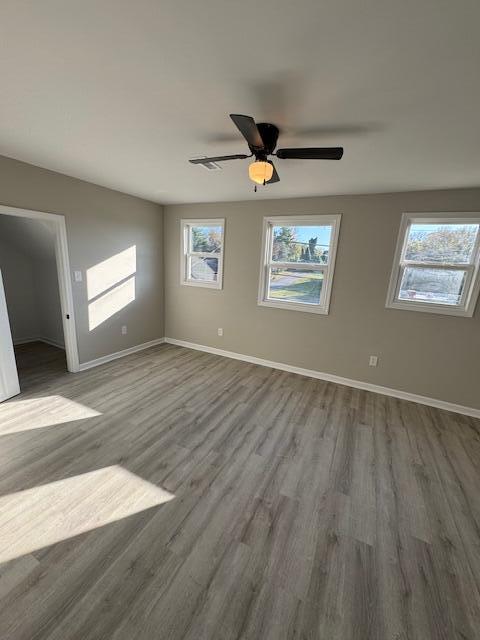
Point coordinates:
[[53, 343], [329, 377], [119, 354], [20, 341]]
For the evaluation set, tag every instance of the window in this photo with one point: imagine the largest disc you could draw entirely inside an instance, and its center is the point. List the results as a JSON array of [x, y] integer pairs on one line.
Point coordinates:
[[436, 265], [298, 257], [202, 253]]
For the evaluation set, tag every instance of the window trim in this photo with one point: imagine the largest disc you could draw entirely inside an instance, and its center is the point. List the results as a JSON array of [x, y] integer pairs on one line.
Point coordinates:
[[267, 236], [185, 225], [472, 283]]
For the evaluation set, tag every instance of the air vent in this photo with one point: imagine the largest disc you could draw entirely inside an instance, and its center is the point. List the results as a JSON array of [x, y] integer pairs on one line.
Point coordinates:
[[209, 166]]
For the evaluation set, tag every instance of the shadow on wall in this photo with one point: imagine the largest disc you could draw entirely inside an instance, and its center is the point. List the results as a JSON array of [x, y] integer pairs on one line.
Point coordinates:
[[111, 286]]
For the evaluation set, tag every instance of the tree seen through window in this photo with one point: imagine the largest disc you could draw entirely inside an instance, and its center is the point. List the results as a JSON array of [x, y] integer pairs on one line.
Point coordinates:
[[290, 246]]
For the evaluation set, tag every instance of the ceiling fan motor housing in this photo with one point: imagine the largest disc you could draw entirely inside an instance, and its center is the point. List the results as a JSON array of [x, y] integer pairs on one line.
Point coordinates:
[[269, 133]]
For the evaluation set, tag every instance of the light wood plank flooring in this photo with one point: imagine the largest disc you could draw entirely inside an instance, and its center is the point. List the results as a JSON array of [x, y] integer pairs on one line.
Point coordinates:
[[175, 494], [38, 362]]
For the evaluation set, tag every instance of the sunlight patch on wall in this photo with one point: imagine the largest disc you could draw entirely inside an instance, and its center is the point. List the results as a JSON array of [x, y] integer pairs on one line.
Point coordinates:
[[110, 303], [36, 413], [110, 272], [50, 513], [111, 286]]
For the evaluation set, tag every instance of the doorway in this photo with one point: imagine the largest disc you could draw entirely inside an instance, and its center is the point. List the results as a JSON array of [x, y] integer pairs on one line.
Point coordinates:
[[40, 324]]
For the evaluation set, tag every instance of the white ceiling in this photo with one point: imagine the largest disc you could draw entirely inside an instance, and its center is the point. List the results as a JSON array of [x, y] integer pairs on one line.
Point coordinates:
[[123, 92]]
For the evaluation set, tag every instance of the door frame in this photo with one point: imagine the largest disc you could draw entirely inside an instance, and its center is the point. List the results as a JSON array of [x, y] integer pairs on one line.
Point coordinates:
[[64, 279], [9, 384]]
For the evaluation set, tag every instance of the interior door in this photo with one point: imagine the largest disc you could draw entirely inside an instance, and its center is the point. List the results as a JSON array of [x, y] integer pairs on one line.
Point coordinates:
[[9, 385]]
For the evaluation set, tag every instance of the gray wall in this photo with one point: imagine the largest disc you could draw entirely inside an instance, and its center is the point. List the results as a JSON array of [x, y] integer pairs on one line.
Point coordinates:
[[100, 223], [432, 355], [19, 284], [27, 259], [48, 300]]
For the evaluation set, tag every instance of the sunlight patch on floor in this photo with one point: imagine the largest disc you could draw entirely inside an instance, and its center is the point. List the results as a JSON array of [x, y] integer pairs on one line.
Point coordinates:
[[36, 413], [50, 513]]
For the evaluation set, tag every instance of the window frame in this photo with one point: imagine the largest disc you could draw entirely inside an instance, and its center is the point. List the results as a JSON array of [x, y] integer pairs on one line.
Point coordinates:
[[185, 253], [472, 283], [269, 222]]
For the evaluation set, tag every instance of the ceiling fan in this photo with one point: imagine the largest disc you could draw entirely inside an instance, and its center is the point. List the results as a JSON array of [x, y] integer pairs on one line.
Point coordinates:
[[262, 140]]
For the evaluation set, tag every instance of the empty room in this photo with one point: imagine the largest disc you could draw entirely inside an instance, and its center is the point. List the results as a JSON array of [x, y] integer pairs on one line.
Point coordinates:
[[239, 320]]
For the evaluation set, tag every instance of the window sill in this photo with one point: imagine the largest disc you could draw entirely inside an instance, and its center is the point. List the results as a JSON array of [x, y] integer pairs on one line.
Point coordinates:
[[292, 306], [203, 285], [430, 308]]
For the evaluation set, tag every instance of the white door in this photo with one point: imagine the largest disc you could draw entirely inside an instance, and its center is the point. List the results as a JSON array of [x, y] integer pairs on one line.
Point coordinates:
[[9, 385]]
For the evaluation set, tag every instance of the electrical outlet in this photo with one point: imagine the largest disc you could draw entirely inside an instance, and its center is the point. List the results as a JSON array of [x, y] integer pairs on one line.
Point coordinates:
[[77, 276], [373, 361], [124, 330], [220, 331]]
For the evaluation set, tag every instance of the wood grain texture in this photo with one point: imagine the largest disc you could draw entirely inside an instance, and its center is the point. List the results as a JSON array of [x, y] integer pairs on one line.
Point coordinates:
[[175, 494]]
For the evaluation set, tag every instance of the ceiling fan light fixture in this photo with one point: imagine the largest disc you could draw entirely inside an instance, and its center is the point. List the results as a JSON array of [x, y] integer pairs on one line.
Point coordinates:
[[260, 171]]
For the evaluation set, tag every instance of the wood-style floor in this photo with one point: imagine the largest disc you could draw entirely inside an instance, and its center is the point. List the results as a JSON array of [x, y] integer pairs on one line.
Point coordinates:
[[175, 494]]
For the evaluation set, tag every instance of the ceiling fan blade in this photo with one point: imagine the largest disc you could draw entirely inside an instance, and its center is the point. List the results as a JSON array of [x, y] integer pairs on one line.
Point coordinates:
[[247, 127], [312, 153], [275, 177], [238, 156]]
